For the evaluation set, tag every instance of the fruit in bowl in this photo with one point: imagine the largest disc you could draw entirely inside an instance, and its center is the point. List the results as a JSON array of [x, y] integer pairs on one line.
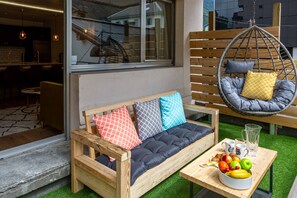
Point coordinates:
[[239, 174], [234, 165], [223, 166], [236, 174], [227, 158], [235, 158], [246, 164], [238, 179]]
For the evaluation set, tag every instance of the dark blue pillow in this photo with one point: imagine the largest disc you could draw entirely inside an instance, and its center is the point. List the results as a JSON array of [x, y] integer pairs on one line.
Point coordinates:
[[239, 67]]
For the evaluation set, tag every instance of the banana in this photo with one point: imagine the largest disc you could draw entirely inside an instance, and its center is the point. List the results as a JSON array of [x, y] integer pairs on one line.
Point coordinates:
[[239, 174]]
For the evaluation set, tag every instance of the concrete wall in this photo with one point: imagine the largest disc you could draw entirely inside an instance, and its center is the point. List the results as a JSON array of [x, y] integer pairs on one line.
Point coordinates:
[[294, 54], [97, 89]]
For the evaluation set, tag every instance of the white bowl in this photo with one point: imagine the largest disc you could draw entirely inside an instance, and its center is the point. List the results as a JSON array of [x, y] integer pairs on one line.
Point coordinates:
[[239, 184]]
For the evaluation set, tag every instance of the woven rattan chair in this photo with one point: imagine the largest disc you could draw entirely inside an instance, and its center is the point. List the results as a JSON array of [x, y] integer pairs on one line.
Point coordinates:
[[268, 53]]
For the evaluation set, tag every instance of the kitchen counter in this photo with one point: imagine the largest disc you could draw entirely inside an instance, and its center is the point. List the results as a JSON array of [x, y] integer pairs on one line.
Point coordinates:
[[29, 64]]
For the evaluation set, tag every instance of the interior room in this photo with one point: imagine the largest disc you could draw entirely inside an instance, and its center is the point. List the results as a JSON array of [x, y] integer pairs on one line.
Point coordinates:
[[31, 71]]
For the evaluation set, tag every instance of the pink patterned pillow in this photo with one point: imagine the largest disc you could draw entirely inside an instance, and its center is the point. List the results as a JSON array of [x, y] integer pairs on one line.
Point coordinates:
[[118, 128]]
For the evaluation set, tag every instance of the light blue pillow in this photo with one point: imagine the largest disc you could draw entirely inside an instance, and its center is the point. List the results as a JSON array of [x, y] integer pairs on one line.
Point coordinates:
[[172, 111]]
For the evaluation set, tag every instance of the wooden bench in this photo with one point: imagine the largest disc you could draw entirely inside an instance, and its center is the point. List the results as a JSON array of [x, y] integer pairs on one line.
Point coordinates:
[[85, 170]]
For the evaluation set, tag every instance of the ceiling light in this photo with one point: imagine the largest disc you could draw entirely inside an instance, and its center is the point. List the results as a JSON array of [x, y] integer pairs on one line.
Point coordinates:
[[55, 35], [31, 6], [22, 34]]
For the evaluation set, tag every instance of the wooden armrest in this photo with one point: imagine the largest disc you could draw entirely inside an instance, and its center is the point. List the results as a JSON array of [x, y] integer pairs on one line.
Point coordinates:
[[101, 145], [214, 116], [201, 109]]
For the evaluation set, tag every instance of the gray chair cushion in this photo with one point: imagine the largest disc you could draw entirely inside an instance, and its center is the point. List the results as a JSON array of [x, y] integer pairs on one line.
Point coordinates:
[[282, 95], [239, 67], [153, 151], [148, 118]]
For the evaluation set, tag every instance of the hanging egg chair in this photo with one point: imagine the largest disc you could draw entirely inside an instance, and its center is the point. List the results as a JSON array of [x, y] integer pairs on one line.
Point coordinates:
[[256, 51]]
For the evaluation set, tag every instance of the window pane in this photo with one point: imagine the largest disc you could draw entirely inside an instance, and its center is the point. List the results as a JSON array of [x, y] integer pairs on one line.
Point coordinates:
[[106, 31], [159, 33]]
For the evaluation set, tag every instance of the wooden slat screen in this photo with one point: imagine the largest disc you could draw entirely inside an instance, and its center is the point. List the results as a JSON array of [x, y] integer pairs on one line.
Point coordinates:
[[205, 49]]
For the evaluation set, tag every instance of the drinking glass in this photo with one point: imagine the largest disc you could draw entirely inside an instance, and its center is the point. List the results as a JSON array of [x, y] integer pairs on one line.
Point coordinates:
[[252, 135]]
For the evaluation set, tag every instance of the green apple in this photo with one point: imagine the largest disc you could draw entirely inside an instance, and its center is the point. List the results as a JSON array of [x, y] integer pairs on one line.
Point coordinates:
[[234, 165], [246, 164]]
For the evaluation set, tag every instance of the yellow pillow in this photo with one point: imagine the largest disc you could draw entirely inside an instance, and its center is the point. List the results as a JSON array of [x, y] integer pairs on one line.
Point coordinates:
[[259, 85]]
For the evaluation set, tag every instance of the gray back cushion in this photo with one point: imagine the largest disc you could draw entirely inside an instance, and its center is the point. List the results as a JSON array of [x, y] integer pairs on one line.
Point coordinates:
[[239, 67], [148, 118]]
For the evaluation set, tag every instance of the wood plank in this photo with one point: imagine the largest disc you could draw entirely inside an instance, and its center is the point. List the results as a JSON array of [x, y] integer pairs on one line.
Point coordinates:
[[204, 88], [291, 111], [203, 79], [201, 109], [97, 169], [156, 175], [207, 98], [204, 70], [277, 13], [211, 20], [127, 103], [25, 137], [223, 44], [213, 62], [100, 145], [96, 184], [123, 178], [208, 62], [229, 34], [263, 53], [208, 177], [279, 119], [77, 149]]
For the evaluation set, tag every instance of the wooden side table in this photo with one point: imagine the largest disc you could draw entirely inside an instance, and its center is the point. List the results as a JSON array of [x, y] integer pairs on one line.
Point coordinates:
[[209, 178]]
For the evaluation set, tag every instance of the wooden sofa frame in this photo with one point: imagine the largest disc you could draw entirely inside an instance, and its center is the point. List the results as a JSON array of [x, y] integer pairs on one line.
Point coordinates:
[[85, 170]]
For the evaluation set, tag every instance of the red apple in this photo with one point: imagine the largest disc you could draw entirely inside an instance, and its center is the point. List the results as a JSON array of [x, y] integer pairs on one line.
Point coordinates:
[[223, 166], [227, 158]]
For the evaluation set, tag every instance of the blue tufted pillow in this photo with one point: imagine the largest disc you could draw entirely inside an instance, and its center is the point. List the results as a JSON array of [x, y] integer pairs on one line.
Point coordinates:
[[148, 118], [172, 111], [239, 67]]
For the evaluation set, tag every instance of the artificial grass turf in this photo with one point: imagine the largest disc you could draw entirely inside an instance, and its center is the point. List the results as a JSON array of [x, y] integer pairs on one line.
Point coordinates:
[[285, 169]]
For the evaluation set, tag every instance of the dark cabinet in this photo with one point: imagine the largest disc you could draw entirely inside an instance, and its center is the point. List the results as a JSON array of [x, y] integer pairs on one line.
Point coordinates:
[[9, 36]]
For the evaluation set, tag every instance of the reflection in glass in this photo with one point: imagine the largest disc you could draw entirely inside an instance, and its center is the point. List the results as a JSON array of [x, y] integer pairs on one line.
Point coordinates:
[[106, 31], [158, 30], [208, 6]]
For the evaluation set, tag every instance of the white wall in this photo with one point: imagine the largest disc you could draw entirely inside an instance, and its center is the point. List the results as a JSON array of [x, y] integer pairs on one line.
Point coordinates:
[[98, 89]]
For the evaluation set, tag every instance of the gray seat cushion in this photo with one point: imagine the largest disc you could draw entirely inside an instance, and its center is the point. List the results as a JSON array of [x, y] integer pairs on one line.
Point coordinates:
[[154, 150], [282, 95]]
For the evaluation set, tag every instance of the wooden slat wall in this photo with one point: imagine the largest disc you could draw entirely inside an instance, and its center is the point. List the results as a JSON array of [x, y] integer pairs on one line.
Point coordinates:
[[206, 48]]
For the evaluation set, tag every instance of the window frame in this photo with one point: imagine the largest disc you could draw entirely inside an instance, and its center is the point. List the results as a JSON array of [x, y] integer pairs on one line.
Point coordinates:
[[144, 63]]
